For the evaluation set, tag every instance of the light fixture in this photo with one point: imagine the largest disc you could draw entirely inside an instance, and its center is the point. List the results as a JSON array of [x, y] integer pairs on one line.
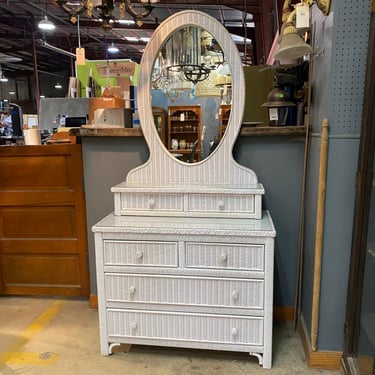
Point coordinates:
[[183, 54], [2, 76], [46, 25], [106, 8], [112, 48], [43, 43], [291, 46], [58, 86], [278, 103]]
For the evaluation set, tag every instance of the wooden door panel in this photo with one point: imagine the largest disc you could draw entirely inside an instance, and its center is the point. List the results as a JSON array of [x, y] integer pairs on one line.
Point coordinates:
[[43, 239]]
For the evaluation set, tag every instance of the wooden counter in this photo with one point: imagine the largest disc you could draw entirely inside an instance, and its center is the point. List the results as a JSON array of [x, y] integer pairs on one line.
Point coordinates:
[[43, 239], [91, 131]]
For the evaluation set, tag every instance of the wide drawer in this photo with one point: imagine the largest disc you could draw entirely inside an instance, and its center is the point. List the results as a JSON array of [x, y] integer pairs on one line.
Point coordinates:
[[140, 253], [225, 256], [229, 203], [185, 291], [152, 325], [152, 202]]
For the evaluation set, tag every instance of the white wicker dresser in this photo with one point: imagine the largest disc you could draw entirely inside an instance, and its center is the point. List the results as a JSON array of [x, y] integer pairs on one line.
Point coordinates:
[[186, 258]]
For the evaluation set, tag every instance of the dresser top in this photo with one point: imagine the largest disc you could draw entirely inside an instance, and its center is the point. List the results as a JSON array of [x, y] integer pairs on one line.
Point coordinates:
[[188, 225]]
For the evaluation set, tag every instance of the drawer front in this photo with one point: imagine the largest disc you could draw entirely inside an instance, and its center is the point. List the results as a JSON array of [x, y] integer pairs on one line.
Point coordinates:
[[221, 203], [185, 291], [186, 327], [157, 202], [141, 253], [225, 256]]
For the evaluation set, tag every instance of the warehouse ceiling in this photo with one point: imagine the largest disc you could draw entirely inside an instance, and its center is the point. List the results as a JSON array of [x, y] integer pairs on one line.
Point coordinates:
[[252, 24]]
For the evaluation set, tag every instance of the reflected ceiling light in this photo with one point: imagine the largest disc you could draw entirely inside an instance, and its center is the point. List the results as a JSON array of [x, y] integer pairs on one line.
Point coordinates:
[[46, 25], [58, 86], [2, 76], [112, 48]]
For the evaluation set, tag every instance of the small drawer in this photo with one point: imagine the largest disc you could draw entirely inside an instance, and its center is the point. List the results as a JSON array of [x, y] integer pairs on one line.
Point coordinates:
[[152, 202], [140, 253], [221, 203], [205, 328], [185, 291], [248, 257]]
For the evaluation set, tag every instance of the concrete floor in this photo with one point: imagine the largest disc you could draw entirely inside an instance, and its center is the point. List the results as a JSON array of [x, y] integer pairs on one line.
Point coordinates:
[[47, 336]]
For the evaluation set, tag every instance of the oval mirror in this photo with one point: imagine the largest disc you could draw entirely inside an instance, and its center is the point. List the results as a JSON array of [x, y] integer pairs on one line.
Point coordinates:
[[191, 93], [164, 168]]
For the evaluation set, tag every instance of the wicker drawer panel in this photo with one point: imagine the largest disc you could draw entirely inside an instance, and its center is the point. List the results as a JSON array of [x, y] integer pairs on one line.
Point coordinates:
[[221, 203], [153, 202], [186, 327], [225, 256], [141, 253], [210, 292]]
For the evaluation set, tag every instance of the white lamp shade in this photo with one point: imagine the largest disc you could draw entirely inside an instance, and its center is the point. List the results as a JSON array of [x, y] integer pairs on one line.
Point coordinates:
[[292, 47], [46, 24], [112, 48]]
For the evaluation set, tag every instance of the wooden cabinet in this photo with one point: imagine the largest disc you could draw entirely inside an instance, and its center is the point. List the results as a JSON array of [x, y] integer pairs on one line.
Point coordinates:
[[43, 239], [224, 113], [158, 114], [184, 130]]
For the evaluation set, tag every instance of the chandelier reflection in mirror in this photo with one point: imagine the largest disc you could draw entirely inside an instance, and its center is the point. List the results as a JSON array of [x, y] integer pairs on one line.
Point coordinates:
[[106, 8], [188, 56]]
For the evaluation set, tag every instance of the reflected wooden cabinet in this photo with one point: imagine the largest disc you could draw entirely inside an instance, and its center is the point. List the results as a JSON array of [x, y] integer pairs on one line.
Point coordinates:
[[159, 119], [184, 129], [224, 113]]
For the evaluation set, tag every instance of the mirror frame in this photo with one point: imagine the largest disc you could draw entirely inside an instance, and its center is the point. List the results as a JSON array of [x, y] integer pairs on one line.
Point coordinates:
[[219, 168]]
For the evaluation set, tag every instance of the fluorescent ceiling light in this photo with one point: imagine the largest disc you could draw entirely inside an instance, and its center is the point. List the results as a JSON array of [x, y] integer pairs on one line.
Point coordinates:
[[132, 39], [46, 24], [126, 22], [146, 39], [3, 79]]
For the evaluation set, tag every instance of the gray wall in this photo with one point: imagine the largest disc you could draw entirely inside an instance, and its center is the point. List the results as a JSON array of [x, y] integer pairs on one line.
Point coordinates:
[[337, 94], [278, 162], [107, 160]]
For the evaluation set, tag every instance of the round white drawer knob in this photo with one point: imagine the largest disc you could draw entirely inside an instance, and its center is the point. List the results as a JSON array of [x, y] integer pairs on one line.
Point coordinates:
[[132, 289], [134, 325], [220, 205], [234, 331], [235, 294], [139, 254], [151, 203], [223, 256]]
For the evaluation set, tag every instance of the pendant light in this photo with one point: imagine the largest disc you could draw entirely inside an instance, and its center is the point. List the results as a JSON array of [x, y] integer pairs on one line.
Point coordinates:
[[46, 25], [112, 48], [58, 86]]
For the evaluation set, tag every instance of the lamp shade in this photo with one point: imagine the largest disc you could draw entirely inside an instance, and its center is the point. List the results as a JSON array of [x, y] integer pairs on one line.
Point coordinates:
[[46, 24], [292, 46], [112, 48], [278, 97]]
